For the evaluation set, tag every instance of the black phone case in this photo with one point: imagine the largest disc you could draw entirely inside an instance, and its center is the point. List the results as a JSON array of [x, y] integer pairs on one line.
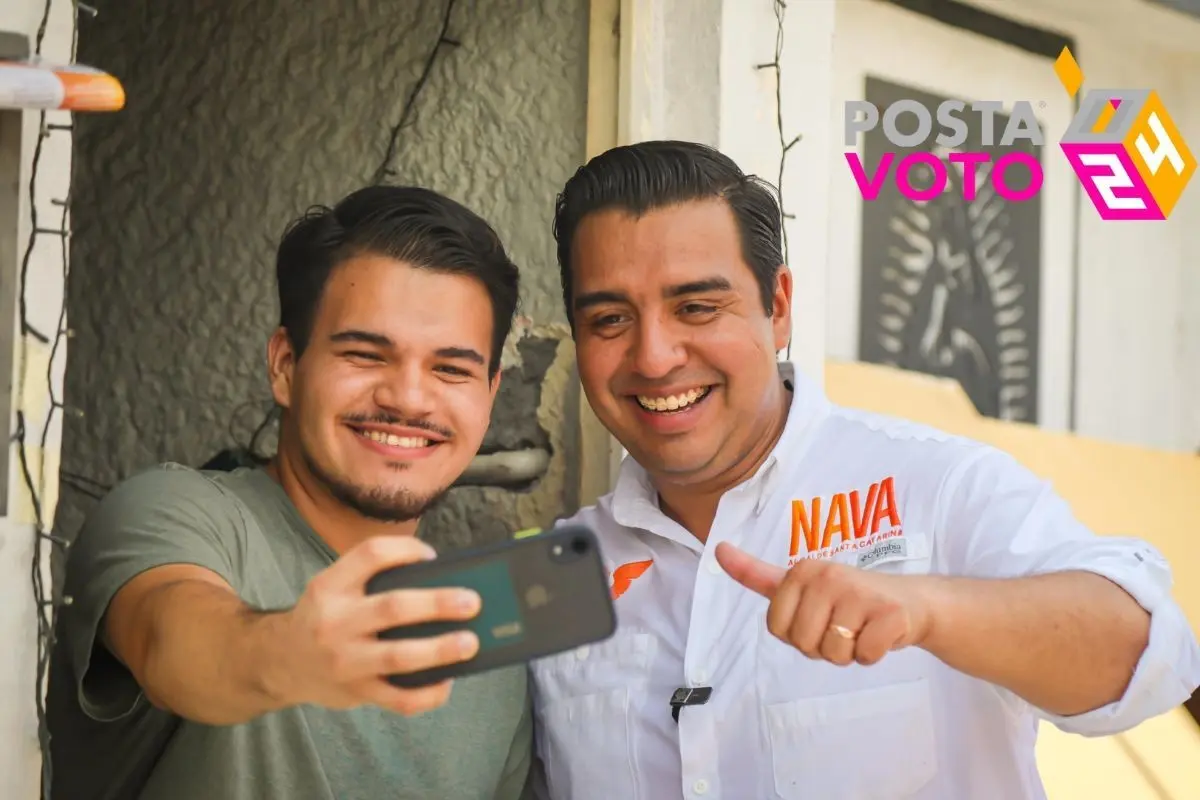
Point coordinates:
[[541, 595]]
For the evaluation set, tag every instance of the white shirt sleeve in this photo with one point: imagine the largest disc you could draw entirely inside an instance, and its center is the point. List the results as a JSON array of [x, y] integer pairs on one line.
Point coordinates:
[[997, 519]]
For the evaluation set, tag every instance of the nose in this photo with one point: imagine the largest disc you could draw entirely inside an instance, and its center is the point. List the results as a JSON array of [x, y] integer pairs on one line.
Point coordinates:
[[658, 350], [407, 391]]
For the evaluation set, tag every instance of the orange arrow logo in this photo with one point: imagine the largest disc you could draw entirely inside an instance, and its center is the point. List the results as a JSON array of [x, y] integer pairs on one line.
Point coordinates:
[[624, 576]]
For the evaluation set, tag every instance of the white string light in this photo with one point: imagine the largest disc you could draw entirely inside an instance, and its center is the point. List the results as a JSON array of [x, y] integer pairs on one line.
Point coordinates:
[[29, 337], [785, 144]]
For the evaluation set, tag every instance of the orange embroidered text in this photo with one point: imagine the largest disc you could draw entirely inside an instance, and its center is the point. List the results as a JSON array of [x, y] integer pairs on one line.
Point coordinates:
[[849, 518], [624, 576]]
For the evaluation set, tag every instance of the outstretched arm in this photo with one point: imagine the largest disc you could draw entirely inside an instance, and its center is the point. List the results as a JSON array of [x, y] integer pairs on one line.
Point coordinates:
[[197, 650], [1067, 642], [1082, 627], [156, 576]]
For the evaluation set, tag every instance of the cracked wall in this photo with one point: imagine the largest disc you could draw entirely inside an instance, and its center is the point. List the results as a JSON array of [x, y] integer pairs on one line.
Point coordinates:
[[239, 116]]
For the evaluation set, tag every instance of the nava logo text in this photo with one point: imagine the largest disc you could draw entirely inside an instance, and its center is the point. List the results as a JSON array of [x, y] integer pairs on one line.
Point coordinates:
[[852, 522]]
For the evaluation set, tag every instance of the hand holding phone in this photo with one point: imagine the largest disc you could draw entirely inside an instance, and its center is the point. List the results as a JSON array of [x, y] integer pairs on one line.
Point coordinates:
[[540, 596], [333, 632]]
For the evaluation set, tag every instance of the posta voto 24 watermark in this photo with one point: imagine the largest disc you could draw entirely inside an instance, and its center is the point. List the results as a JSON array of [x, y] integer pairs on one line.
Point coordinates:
[[1123, 146]]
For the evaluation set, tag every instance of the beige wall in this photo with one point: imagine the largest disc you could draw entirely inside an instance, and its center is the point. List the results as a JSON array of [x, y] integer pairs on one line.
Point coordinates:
[[1116, 489]]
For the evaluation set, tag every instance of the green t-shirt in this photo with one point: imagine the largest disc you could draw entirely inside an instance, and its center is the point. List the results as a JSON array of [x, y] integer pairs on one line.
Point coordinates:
[[109, 743]]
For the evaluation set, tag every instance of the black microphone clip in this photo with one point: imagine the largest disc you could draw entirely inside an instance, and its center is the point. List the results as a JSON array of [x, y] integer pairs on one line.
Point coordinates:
[[696, 696]]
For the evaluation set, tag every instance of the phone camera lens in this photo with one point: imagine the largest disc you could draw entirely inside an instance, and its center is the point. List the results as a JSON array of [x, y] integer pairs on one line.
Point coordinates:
[[579, 545]]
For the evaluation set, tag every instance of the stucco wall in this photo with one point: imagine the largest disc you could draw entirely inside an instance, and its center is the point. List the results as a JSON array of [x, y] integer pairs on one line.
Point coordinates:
[[242, 114]]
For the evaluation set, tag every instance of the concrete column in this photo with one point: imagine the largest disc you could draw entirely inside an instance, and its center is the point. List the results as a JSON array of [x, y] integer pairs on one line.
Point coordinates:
[[670, 70]]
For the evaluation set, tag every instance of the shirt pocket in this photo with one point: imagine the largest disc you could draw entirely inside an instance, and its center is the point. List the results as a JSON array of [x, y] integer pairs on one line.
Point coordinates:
[[871, 744], [585, 730]]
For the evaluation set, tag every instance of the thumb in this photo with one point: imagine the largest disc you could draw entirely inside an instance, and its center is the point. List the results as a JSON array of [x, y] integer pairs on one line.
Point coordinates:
[[753, 573]]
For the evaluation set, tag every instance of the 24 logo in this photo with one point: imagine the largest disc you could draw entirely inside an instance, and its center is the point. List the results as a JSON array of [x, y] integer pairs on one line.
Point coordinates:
[[1125, 149]]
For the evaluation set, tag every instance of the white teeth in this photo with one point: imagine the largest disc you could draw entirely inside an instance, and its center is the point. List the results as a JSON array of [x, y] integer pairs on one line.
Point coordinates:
[[392, 440], [672, 402]]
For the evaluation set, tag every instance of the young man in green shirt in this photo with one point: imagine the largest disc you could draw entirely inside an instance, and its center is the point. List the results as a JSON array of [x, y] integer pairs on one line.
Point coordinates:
[[220, 644]]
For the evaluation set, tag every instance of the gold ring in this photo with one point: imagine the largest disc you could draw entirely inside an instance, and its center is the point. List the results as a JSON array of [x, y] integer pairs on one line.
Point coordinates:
[[843, 631]]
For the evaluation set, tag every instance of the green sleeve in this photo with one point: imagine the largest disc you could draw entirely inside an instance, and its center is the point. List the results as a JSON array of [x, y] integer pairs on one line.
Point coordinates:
[[516, 768], [166, 515]]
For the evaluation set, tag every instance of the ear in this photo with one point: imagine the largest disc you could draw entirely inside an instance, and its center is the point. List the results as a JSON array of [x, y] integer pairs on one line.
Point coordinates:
[[781, 308], [495, 384], [281, 364]]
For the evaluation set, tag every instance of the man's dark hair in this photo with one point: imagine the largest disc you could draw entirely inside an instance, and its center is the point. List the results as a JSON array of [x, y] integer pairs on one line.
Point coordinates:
[[410, 224], [646, 176]]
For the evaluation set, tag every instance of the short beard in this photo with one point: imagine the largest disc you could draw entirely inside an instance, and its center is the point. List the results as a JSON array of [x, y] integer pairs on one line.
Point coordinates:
[[377, 503]]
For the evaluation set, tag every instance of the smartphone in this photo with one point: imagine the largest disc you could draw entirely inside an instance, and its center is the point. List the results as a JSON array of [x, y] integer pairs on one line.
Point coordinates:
[[540, 595]]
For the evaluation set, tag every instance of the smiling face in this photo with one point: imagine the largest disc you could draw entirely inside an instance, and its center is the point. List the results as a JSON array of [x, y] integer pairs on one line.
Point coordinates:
[[390, 400], [676, 353]]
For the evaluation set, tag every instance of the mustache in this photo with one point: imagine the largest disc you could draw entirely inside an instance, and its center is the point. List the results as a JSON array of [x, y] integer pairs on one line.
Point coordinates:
[[384, 418]]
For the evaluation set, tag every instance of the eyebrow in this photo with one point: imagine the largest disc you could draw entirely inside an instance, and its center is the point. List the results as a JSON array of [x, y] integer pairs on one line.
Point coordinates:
[[584, 301], [463, 353], [379, 340], [590, 299], [364, 337], [699, 287]]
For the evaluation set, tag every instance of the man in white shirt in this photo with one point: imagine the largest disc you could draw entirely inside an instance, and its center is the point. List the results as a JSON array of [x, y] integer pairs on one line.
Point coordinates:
[[813, 602]]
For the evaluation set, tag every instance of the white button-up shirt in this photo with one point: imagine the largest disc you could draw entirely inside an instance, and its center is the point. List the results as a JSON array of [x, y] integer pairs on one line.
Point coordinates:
[[863, 489]]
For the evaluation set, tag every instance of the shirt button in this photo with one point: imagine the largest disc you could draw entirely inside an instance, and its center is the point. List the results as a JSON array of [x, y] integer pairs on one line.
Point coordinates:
[[700, 786], [582, 653], [699, 677], [714, 568]]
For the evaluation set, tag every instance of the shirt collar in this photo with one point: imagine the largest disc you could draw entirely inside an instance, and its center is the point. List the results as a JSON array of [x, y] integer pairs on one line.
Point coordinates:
[[635, 500]]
